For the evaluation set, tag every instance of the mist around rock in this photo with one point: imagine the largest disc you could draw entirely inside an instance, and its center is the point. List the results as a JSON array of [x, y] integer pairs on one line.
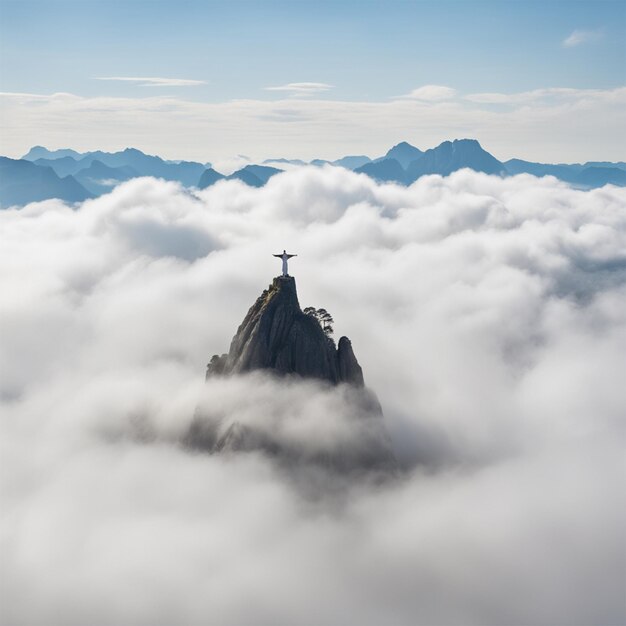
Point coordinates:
[[331, 424], [488, 317]]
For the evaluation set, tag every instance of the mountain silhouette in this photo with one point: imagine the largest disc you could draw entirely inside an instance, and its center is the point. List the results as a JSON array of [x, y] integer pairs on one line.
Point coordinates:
[[285, 161], [600, 176], [254, 175], [22, 182], [591, 174], [451, 156], [185, 172], [387, 170], [620, 165], [251, 175], [99, 178], [209, 177], [566, 173], [403, 164], [352, 162], [404, 153], [446, 158], [39, 152], [63, 166]]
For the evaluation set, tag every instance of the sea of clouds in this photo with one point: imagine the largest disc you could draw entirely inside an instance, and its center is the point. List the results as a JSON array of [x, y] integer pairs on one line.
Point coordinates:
[[489, 317]]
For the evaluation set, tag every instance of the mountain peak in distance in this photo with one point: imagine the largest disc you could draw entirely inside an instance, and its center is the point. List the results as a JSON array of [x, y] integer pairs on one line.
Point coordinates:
[[404, 153]]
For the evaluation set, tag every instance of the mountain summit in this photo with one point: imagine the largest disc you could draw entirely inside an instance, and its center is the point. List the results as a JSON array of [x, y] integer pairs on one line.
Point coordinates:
[[404, 153], [451, 156], [87, 174], [335, 423], [277, 335]]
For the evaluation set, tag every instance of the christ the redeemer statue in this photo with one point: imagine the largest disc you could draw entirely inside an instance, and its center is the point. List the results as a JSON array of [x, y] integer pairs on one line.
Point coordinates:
[[284, 256]]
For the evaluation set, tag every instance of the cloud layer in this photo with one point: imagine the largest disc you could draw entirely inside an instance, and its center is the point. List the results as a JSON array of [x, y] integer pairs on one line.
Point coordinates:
[[488, 316], [301, 89], [155, 81], [543, 125], [432, 93]]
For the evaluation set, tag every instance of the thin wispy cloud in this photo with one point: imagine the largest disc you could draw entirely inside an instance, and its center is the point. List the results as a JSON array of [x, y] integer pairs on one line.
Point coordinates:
[[153, 81], [301, 89], [431, 93], [533, 124], [578, 37], [548, 95], [31, 97]]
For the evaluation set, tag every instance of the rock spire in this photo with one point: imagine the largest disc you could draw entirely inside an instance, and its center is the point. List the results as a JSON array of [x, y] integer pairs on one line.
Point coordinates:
[[276, 335]]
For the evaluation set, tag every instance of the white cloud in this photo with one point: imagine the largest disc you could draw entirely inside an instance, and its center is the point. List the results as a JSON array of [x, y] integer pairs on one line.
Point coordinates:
[[535, 125], [492, 98], [155, 82], [578, 37], [301, 89], [432, 93], [229, 165], [487, 314], [547, 97]]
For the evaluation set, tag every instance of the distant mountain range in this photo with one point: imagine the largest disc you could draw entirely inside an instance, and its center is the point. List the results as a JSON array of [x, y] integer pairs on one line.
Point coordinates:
[[22, 182], [186, 172], [74, 176], [252, 175]]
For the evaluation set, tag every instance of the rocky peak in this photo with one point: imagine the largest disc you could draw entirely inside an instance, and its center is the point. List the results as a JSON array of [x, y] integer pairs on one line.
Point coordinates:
[[276, 335], [349, 369]]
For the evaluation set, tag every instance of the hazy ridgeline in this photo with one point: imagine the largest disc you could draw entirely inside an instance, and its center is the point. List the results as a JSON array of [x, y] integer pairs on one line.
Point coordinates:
[[488, 316], [71, 176]]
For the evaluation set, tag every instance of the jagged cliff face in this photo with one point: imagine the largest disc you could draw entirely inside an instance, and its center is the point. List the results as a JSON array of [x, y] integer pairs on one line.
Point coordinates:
[[321, 416], [276, 335]]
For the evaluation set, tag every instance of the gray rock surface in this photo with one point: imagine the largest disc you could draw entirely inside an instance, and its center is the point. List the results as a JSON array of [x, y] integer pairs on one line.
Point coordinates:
[[276, 335], [349, 369], [277, 338]]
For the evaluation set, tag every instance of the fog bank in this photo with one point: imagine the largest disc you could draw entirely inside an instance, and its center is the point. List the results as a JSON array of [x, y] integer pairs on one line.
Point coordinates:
[[488, 317]]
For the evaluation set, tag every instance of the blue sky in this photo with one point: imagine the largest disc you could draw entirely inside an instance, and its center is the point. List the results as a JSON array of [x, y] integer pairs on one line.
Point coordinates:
[[362, 51]]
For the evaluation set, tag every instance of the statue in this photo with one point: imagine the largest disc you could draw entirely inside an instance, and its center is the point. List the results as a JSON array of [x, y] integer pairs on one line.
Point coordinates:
[[284, 256]]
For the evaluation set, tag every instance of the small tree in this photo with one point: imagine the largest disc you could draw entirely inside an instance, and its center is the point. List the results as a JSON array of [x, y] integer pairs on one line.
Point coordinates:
[[323, 317], [326, 320]]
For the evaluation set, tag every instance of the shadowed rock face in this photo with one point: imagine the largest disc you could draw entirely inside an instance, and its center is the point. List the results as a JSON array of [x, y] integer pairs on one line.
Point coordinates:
[[277, 338], [276, 335]]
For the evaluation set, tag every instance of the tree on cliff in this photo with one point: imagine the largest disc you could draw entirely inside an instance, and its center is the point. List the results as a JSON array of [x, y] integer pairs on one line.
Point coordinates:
[[324, 318]]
